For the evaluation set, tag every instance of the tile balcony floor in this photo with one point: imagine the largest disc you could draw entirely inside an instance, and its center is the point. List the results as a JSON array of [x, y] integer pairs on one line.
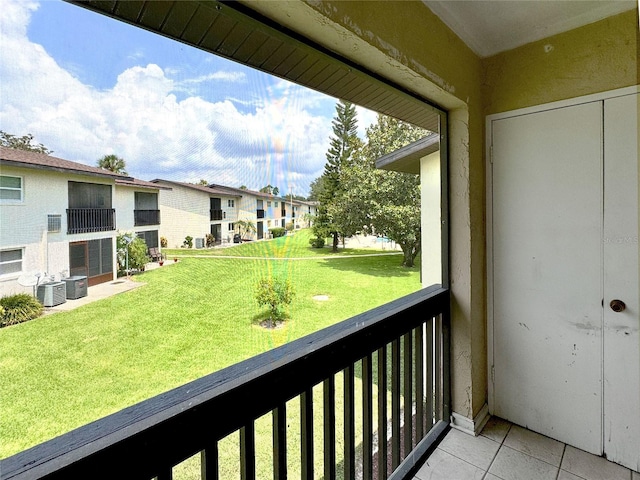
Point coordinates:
[[504, 451]]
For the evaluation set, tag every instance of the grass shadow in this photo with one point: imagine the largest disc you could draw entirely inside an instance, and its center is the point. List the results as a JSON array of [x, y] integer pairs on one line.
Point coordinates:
[[378, 266]]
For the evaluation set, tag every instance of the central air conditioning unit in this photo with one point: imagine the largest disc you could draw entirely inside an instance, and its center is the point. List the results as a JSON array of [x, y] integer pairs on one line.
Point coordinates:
[[52, 293], [199, 242], [76, 286]]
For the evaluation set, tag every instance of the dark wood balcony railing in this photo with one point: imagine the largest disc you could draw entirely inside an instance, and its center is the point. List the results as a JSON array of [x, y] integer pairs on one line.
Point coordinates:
[[146, 217], [216, 215], [85, 220], [260, 213], [393, 362]]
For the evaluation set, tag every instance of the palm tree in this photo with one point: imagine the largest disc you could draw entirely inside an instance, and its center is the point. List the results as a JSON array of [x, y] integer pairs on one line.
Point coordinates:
[[113, 163], [245, 227]]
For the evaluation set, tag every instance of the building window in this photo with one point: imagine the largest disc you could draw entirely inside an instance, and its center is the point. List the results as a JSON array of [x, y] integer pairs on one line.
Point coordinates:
[[89, 195], [150, 237], [10, 261], [10, 189], [268, 204], [231, 226], [276, 205], [231, 203], [54, 223]]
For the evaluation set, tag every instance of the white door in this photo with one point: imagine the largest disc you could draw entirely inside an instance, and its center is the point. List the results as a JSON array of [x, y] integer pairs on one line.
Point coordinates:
[[564, 223], [621, 337]]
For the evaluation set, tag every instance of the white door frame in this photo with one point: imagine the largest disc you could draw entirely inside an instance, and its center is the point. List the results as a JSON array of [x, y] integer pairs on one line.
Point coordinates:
[[489, 201]]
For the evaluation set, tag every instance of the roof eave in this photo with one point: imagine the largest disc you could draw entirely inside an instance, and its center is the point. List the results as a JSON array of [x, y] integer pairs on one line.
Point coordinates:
[[407, 159], [16, 163]]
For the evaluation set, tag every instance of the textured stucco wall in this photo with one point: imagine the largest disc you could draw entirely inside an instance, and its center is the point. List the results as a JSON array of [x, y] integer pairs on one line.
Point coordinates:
[[595, 58]]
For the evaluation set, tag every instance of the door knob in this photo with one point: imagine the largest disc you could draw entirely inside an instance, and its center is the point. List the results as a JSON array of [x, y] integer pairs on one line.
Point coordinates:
[[617, 305]]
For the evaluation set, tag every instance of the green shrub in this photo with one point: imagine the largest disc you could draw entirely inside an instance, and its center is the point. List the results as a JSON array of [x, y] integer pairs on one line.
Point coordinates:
[[19, 308], [163, 242], [289, 226], [274, 293], [277, 232], [188, 242], [316, 242], [136, 248], [210, 240]]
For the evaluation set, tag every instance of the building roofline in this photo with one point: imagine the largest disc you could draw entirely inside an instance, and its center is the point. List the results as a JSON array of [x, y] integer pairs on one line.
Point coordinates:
[[200, 188], [407, 159], [40, 161]]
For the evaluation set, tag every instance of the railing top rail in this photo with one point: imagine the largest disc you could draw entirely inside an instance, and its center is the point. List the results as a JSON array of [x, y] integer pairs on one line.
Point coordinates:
[[176, 424]]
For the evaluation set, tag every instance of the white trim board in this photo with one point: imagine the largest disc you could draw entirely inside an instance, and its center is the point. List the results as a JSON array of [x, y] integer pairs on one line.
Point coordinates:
[[471, 426]]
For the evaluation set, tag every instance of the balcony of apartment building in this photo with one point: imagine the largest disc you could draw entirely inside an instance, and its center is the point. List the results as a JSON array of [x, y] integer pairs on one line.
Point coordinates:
[[90, 208], [389, 383]]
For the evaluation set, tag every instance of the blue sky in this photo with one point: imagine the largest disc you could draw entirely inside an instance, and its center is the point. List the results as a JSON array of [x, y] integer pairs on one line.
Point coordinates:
[[85, 86]]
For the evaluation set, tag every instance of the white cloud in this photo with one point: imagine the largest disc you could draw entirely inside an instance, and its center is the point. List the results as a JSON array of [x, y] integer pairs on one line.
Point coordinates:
[[278, 141], [220, 76]]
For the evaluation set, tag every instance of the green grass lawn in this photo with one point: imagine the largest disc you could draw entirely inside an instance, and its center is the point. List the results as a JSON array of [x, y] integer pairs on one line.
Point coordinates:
[[289, 246], [188, 319]]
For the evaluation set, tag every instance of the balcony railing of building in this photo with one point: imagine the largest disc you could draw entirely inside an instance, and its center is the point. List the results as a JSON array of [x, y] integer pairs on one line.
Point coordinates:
[[215, 215], [283, 213], [146, 217], [260, 213], [86, 220], [392, 361]]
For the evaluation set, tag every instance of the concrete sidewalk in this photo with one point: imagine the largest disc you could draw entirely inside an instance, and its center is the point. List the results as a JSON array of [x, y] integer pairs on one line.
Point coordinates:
[[97, 292]]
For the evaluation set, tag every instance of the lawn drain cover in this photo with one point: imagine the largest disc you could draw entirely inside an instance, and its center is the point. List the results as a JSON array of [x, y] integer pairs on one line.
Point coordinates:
[[322, 298]]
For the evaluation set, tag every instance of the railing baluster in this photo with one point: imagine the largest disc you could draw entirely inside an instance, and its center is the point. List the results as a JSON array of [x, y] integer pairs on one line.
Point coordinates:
[[209, 462], [438, 368], [306, 434], [367, 418], [280, 442], [408, 392], [445, 338], [165, 474], [329, 409], [430, 366], [382, 413], [395, 403], [349, 424], [248, 452], [419, 363]]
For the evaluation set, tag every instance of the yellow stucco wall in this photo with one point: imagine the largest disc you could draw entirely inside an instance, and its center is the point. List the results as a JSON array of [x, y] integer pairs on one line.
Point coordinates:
[[595, 58]]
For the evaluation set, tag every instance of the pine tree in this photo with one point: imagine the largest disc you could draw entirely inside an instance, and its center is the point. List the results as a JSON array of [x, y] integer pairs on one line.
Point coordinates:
[[342, 145]]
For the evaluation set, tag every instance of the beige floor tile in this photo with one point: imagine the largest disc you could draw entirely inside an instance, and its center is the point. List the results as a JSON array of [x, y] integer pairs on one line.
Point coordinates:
[[444, 466], [592, 467], [478, 451], [513, 465], [496, 429], [564, 475], [538, 446]]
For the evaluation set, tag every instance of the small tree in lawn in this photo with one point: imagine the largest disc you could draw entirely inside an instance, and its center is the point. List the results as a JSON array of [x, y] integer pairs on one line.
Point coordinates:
[[274, 293]]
